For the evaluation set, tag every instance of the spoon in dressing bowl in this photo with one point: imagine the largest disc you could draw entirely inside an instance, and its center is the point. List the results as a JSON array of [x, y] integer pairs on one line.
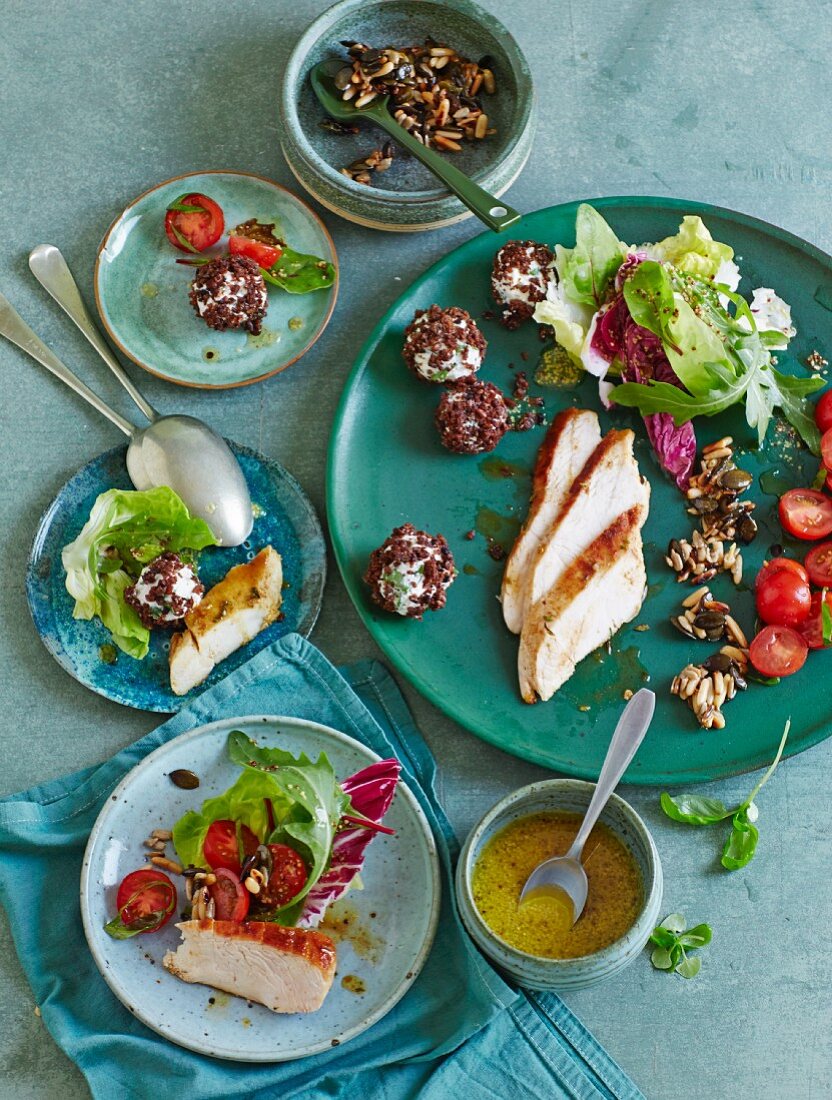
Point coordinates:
[[563, 878], [178, 451], [496, 214]]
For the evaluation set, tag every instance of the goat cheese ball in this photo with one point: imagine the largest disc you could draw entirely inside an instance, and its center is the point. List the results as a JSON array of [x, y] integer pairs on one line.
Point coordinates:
[[230, 292], [443, 345], [472, 417], [167, 589], [522, 273], [410, 572]]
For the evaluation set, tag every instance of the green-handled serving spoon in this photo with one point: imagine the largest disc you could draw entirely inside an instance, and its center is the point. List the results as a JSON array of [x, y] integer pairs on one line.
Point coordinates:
[[496, 214]]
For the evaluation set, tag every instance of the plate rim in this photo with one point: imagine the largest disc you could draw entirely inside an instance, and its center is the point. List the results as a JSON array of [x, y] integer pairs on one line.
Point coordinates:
[[272, 719], [333, 290], [371, 622], [60, 655]]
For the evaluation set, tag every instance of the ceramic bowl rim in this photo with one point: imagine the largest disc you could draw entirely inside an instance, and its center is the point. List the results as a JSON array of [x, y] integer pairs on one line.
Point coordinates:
[[293, 76], [314, 337], [517, 798]]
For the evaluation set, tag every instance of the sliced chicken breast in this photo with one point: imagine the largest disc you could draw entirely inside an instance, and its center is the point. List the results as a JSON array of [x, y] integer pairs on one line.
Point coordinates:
[[285, 969], [599, 591], [608, 484], [245, 601], [572, 437]]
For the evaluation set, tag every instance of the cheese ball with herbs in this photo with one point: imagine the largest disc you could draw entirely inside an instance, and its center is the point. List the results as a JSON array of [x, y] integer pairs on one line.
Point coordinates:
[[443, 345], [230, 293], [522, 273], [472, 417], [410, 572], [167, 589]]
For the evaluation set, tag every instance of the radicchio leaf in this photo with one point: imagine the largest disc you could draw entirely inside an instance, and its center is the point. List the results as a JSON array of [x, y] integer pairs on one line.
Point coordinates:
[[644, 358], [370, 791]]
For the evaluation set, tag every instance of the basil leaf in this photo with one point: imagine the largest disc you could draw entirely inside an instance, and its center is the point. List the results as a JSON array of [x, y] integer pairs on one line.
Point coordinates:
[[741, 844], [183, 240], [299, 273], [694, 809], [689, 967], [826, 619], [186, 207], [121, 931]]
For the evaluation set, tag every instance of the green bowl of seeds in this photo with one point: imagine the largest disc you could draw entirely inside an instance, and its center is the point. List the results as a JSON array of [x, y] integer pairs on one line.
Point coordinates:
[[453, 74]]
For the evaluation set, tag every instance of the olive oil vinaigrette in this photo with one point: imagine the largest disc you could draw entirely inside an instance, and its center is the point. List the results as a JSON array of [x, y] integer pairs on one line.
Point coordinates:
[[543, 926]]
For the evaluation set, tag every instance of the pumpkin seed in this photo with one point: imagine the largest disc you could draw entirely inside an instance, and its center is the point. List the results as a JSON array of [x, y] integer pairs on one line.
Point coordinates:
[[185, 779], [735, 480]]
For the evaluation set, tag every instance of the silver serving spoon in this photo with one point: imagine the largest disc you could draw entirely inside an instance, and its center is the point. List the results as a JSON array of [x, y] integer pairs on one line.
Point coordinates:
[[564, 876], [179, 451]]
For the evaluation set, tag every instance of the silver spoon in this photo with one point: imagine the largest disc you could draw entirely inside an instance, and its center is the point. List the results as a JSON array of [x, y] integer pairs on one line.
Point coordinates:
[[179, 451], [564, 876]]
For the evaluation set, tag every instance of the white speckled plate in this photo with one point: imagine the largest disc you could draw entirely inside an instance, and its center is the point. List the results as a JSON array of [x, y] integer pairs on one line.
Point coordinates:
[[392, 921]]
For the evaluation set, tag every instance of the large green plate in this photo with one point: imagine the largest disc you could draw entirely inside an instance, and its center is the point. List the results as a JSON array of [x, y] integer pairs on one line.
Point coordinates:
[[386, 467]]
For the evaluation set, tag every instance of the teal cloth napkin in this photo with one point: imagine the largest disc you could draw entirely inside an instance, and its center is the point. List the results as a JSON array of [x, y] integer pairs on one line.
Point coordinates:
[[460, 1029]]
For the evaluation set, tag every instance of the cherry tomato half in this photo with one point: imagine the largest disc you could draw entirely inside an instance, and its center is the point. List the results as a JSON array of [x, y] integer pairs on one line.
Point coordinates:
[[812, 627], [144, 894], [823, 412], [266, 255], [231, 899], [806, 514], [771, 566], [778, 651], [193, 223], [287, 879], [783, 598], [220, 845], [819, 565]]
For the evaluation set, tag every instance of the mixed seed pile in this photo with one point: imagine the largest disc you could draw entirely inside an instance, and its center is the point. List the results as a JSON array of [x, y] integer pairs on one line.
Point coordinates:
[[714, 494], [434, 91], [701, 559], [707, 687], [377, 161], [709, 620]]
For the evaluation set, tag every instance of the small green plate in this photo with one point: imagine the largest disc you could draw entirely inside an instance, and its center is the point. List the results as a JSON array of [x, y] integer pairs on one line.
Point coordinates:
[[142, 293], [386, 466]]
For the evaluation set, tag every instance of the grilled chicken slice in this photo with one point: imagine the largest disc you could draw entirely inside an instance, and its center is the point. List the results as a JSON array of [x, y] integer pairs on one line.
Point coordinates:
[[572, 437], [599, 591], [285, 969], [608, 484], [245, 601]]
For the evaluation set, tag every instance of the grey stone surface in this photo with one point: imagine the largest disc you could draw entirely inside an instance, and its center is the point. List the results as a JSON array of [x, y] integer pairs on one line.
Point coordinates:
[[717, 102]]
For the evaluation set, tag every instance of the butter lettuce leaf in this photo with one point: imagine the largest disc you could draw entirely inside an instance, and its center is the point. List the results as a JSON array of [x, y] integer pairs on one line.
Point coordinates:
[[126, 529], [692, 249]]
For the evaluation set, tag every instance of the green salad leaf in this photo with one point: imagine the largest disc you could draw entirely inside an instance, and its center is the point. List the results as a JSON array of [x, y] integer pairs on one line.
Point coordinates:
[[671, 939], [739, 848], [299, 273], [692, 249], [587, 269], [718, 356], [312, 802], [244, 801], [126, 530]]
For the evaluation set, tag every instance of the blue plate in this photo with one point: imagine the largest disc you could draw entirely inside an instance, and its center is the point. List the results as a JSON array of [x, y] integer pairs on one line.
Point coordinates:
[[142, 293], [383, 932], [285, 519]]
